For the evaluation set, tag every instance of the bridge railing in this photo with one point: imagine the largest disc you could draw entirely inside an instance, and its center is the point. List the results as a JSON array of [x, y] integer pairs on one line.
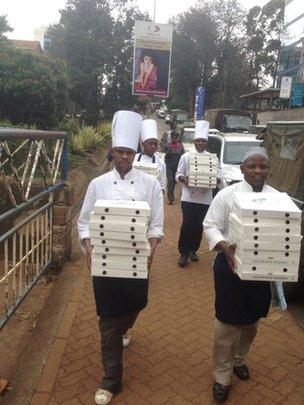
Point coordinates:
[[29, 161]]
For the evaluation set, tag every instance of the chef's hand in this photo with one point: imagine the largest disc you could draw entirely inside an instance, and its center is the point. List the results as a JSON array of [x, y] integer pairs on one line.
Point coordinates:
[[229, 251], [184, 180], [153, 244], [88, 252]]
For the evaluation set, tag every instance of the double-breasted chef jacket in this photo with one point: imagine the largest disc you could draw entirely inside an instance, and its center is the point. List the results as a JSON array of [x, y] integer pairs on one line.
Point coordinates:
[[117, 297], [141, 157], [238, 302], [196, 195]]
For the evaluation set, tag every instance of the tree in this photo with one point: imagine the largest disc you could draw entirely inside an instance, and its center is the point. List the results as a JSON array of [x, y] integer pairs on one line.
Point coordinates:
[[33, 89], [83, 39], [4, 27]]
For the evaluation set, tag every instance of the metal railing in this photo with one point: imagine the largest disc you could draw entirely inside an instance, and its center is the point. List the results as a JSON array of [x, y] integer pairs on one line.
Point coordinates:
[[26, 247]]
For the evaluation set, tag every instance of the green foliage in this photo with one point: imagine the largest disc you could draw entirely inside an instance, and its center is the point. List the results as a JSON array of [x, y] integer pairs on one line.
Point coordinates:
[[87, 138], [33, 89]]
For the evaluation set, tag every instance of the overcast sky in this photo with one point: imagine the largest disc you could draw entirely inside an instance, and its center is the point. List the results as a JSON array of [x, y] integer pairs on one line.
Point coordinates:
[[25, 15]]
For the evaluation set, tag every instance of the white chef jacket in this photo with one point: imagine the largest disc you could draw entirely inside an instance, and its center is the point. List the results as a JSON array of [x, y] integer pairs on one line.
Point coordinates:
[[136, 186], [161, 164], [197, 195], [216, 222]]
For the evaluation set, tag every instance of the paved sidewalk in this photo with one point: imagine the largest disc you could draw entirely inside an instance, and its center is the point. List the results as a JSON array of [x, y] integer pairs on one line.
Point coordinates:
[[170, 358]]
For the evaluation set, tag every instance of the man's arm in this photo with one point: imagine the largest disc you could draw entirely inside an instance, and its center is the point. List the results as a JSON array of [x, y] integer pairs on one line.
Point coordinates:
[[181, 173], [156, 223]]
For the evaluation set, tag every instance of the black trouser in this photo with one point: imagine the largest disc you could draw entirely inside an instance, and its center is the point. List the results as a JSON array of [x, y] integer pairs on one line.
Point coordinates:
[[171, 170], [192, 227], [112, 330]]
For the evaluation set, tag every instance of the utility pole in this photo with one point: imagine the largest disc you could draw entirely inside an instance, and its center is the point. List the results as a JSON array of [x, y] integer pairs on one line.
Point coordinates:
[[154, 14]]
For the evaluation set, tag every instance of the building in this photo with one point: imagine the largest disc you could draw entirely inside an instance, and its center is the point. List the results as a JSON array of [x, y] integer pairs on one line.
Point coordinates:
[[292, 52], [27, 46]]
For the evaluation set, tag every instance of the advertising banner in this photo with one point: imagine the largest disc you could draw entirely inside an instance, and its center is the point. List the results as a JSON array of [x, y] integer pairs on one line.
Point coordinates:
[[199, 108], [285, 90], [297, 98], [152, 58]]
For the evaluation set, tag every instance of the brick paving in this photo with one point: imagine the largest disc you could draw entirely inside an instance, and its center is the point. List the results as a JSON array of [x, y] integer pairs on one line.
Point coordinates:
[[169, 360]]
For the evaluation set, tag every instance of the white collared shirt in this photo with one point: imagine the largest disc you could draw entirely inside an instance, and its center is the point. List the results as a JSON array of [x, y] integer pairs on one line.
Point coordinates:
[[216, 222], [194, 194], [161, 164], [136, 186]]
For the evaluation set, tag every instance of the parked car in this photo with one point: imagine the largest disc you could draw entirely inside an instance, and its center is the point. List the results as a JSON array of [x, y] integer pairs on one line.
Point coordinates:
[[178, 116], [228, 120], [160, 113], [229, 148], [284, 142]]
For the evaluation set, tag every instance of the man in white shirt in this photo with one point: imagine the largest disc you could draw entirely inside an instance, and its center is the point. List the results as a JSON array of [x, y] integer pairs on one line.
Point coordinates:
[[239, 304], [149, 139], [119, 300], [195, 201]]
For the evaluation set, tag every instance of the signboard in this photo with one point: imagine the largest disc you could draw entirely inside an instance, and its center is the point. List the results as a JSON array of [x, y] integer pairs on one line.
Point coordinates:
[[285, 90], [152, 58], [297, 98], [199, 108]]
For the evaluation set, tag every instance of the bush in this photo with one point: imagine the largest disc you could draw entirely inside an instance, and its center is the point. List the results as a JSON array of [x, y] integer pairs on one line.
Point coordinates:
[[88, 138]]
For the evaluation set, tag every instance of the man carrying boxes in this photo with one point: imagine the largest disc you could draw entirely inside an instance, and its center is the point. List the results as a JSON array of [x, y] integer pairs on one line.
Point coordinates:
[[117, 208], [239, 304], [198, 173], [148, 161]]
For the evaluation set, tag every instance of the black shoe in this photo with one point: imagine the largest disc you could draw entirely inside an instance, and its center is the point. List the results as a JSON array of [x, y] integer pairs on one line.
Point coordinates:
[[242, 372], [193, 256], [170, 202], [182, 261], [220, 392]]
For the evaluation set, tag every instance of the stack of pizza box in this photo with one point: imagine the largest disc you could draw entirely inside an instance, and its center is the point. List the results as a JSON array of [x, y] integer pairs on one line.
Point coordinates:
[[146, 167], [266, 228], [118, 233], [203, 170]]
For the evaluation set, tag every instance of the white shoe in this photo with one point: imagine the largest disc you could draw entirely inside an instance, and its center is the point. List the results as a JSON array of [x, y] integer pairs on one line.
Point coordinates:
[[103, 397], [126, 338]]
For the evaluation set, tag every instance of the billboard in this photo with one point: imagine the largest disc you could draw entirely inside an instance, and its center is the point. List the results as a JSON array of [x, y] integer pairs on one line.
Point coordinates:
[[152, 58], [285, 90], [297, 98]]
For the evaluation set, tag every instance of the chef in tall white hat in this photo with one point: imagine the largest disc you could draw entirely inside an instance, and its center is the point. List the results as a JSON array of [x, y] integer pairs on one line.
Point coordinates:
[[195, 201], [119, 300], [149, 140]]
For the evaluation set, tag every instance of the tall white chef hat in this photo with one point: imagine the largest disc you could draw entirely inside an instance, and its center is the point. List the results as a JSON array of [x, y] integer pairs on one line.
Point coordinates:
[[148, 130], [201, 129], [126, 126]]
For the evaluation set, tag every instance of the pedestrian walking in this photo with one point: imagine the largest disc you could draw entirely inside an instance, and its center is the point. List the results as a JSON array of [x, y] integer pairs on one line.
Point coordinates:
[[149, 139], [173, 152], [195, 201], [119, 300], [239, 304]]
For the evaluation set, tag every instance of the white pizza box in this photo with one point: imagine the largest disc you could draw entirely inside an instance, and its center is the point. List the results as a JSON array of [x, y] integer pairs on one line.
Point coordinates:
[[202, 169], [253, 244], [123, 251], [266, 272], [98, 272], [203, 159], [264, 228], [120, 236], [149, 168], [267, 255], [119, 219], [197, 184], [118, 227], [268, 205], [246, 221], [119, 264], [235, 234], [109, 257], [202, 177], [122, 207], [118, 243]]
